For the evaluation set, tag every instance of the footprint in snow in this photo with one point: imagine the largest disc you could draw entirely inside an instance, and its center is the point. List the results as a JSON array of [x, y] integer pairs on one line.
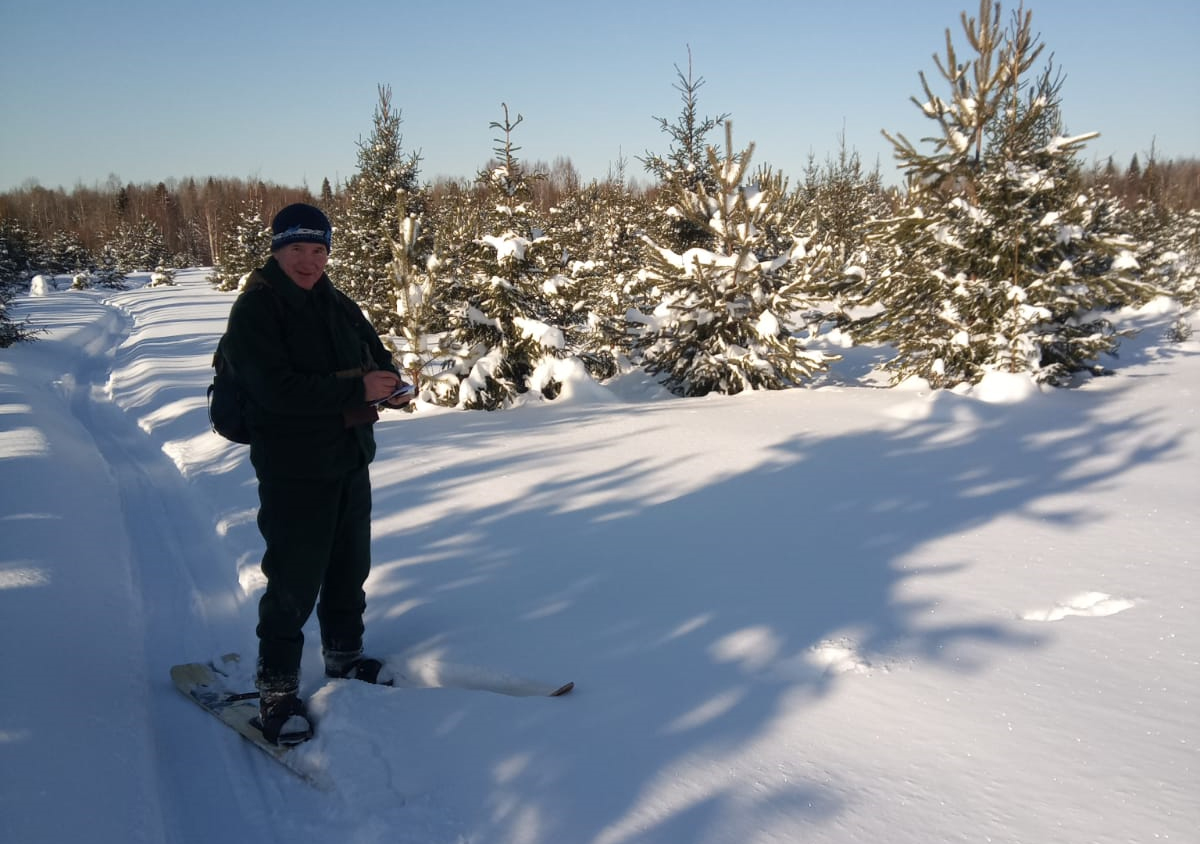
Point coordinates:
[[1093, 604], [829, 657], [838, 657]]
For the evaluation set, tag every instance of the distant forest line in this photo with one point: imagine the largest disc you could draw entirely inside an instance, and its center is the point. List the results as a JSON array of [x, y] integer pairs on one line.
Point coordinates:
[[193, 213]]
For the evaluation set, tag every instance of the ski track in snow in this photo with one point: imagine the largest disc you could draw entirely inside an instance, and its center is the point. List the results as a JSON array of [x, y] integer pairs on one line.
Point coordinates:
[[173, 577], [190, 606]]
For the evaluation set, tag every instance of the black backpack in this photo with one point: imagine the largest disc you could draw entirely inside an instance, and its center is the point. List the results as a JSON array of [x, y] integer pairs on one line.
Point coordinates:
[[227, 400], [226, 395]]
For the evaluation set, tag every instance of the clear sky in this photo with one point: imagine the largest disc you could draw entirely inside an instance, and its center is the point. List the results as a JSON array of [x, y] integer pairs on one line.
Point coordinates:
[[151, 90]]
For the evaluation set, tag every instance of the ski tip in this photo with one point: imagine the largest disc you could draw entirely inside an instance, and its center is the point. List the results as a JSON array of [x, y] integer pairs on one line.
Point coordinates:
[[562, 690]]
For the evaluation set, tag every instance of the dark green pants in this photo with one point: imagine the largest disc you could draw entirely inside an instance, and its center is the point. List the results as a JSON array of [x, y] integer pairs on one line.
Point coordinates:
[[318, 536]]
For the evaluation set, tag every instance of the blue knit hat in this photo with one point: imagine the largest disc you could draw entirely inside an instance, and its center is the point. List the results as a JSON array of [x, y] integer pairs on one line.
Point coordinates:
[[301, 223]]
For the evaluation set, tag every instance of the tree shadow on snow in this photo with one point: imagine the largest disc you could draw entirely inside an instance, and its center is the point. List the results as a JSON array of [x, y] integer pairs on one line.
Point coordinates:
[[694, 623]]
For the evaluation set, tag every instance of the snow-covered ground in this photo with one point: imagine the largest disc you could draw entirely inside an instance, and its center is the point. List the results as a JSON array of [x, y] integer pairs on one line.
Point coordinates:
[[843, 614]]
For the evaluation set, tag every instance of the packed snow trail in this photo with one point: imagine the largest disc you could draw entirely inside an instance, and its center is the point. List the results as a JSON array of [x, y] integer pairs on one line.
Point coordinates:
[[190, 604], [80, 667], [130, 598], [191, 580]]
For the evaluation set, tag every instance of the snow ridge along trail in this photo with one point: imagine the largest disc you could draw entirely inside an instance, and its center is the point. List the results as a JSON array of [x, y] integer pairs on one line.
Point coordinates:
[[189, 499], [187, 582], [138, 592]]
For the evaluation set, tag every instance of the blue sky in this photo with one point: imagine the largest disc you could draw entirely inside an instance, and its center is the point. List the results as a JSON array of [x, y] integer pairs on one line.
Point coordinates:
[[151, 91]]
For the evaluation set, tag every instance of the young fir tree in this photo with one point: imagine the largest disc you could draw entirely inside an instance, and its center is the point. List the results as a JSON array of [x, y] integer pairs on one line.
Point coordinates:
[[362, 254], [840, 200], [724, 318], [243, 248], [137, 246], [420, 313], [600, 229], [1166, 239], [506, 331], [12, 330], [107, 273], [457, 218], [685, 166], [16, 268], [162, 277], [66, 254], [1180, 263], [1001, 260], [17, 253]]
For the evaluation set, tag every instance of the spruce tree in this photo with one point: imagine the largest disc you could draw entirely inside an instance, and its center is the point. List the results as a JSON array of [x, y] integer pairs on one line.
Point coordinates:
[[506, 328], [1181, 262], [15, 271], [12, 330], [137, 246], [109, 271], [162, 277], [686, 164], [840, 201], [66, 254], [1166, 243], [362, 253], [1000, 260], [17, 250], [419, 310], [244, 247], [600, 229], [724, 317]]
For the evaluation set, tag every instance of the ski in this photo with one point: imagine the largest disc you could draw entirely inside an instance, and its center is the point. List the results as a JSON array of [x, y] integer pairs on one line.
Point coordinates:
[[204, 685], [208, 686], [433, 673]]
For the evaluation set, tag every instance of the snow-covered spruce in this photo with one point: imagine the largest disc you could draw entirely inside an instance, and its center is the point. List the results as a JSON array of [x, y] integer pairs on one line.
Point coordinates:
[[722, 320], [1000, 261]]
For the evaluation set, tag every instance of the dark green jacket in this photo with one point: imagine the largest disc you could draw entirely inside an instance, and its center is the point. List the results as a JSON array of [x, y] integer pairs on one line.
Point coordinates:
[[301, 355]]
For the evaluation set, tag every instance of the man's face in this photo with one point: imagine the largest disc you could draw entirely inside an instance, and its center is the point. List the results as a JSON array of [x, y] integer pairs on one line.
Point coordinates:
[[303, 262]]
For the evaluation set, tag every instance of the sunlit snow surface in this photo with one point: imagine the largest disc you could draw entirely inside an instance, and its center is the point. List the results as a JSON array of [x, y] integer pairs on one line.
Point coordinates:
[[839, 614]]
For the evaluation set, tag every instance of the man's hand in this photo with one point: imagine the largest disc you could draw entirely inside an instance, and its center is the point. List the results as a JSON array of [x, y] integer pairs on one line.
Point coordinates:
[[379, 384]]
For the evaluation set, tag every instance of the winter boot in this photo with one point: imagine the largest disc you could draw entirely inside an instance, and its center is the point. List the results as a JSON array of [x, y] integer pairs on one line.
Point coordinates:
[[283, 718], [352, 665]]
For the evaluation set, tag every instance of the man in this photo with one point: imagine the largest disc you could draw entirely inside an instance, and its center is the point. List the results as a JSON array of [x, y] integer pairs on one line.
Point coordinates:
[[314, 370]]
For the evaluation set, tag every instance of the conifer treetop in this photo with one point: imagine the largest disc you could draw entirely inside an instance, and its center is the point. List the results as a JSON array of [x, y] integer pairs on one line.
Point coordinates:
[[979, 90], [687, 158]]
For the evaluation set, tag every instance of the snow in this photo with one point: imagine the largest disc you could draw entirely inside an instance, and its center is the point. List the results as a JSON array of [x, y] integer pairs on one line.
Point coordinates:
[[767, 325], [1063, 142], [830, 615], [546, 336], [509, 246], [41, 285], [1125, 261]]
